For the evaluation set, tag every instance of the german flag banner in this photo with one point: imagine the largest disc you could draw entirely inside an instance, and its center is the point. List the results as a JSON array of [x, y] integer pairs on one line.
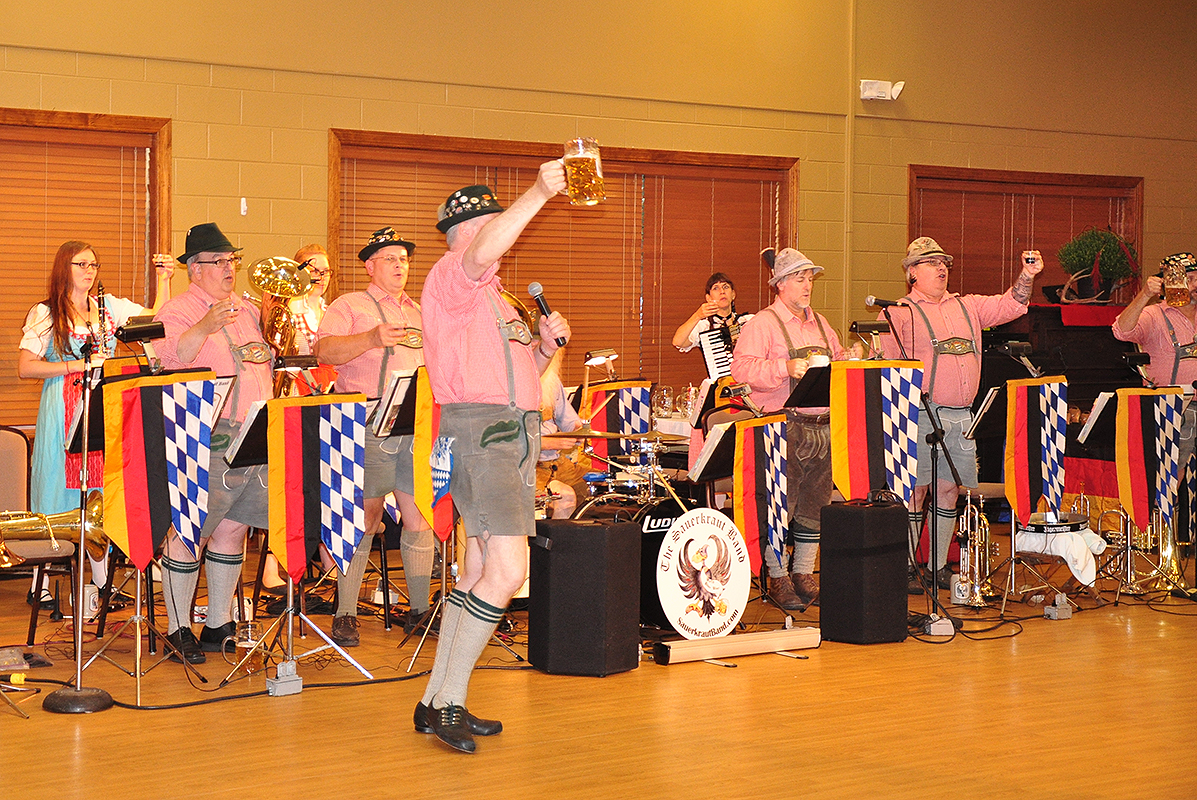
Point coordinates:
[[431, 486], [157, 440], [759, 485], [616, 407], [1147, 451], [1036, 421], [316, 448], [874, 426]]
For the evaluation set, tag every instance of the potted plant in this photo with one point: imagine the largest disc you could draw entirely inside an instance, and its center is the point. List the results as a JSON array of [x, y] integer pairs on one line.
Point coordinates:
[[1114, 257]]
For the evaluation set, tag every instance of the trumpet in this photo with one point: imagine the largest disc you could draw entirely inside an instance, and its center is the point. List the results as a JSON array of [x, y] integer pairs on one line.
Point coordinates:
[[26, 525], [976, 549]]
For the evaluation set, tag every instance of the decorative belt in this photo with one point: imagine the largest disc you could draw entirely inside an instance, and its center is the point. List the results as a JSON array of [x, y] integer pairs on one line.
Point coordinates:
[[1186, 350], [956, 346]]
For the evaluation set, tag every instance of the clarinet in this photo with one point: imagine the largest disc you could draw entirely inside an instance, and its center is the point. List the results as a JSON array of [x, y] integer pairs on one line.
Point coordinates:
[[102, 337]]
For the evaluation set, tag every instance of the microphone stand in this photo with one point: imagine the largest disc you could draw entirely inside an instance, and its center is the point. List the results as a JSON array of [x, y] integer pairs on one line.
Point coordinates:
[[935, 441], [79, 699]]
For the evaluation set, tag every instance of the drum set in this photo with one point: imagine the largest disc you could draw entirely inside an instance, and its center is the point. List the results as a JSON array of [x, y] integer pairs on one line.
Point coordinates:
[[634, 481]]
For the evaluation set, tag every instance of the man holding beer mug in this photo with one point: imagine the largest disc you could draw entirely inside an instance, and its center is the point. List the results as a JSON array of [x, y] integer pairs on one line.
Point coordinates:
[[484, 368], [1166, 332], [775, 349], [943, 330]]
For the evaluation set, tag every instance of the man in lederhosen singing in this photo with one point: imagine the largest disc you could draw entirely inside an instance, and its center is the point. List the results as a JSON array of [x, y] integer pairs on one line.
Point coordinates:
[[775, 349], [943, 330], [484, 367]]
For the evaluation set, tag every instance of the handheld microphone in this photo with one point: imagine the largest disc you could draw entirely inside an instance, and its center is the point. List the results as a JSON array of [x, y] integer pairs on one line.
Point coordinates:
[[537, 293], [874, 302]]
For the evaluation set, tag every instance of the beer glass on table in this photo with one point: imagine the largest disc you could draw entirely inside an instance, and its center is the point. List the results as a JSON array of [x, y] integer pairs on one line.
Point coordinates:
[[583, 172]]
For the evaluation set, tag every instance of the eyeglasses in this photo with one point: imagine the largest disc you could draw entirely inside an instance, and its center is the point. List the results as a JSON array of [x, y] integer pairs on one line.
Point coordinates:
[[319, 273], [224, 263], [390, 260], [86, 264]]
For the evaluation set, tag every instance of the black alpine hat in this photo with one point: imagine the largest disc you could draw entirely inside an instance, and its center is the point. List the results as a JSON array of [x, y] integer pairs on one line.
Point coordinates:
[[207, 238], [385, 237], [467, 203]]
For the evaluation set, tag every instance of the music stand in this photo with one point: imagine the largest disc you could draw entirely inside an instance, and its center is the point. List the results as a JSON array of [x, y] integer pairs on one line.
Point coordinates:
[[255, 447]]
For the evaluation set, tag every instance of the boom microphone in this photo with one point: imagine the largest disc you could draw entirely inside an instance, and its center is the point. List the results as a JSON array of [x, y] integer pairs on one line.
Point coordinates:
[[873, 302], [537, 293]]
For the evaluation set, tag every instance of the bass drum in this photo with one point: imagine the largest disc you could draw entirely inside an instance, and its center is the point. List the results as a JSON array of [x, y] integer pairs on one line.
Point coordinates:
[[655, 521]]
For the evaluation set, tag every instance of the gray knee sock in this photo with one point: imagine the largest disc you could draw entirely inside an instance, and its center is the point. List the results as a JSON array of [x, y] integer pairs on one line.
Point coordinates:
[[418, 551], [945, 526], [478, 621], [179, 579], [804, 557], [224, 573], [349, 585], [450, 614]]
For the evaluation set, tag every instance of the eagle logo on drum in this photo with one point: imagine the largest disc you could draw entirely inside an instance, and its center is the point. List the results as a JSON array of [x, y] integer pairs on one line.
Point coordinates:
[[703, 576]]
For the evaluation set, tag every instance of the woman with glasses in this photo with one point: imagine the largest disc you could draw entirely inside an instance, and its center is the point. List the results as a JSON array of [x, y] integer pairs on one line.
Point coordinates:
[[308, 309], [51, 350]]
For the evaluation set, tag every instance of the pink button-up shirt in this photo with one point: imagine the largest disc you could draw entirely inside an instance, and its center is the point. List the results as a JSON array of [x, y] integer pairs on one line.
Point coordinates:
[[956, 377], [761, 354], [254, 381], [462, 344], [1151, 334], [356, 313]]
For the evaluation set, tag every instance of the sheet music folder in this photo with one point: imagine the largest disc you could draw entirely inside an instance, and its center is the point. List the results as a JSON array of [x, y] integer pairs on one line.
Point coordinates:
[[394, 414], [813, 391], [95, 428], [718, 456], [249, 447]]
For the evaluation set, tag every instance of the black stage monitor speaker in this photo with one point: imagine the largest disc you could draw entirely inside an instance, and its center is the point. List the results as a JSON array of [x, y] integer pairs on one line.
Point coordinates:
[[862, 584], [584, 597]]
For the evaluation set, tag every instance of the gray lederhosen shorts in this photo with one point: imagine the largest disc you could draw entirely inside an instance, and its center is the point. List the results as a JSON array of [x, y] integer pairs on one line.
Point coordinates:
[[236, 494], [388, 465], [493, 479], [955, 423]]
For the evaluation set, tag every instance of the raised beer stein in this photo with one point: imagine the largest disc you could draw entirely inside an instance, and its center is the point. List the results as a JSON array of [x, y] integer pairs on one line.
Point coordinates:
[[1176, 286], [583, 172]]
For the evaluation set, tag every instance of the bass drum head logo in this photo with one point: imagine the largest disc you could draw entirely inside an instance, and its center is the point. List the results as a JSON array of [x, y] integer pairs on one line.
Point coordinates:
[[703, 574]]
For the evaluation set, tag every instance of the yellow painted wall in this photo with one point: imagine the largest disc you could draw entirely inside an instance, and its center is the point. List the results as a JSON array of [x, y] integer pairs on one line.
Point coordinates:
[[253, 88]]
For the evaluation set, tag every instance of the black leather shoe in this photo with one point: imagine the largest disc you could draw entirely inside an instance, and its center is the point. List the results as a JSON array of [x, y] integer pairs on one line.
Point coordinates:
[[943, 577], [479, 727], [46, 602], [184, 642], [913, 584], [449, 725], [210, 638]]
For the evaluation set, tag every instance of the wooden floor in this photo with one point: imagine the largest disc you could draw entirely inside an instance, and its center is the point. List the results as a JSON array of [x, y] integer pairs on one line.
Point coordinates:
[[1099, 706]]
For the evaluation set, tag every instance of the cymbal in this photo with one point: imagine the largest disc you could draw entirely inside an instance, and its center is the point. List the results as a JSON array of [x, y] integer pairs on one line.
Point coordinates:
[[586, 433]]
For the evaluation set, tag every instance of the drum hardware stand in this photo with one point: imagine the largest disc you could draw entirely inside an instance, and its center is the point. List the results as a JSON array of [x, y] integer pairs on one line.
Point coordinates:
[[80, 699], [1015, 560]]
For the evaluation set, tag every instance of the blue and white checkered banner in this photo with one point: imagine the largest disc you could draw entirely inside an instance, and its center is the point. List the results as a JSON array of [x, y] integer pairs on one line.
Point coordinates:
[[777, 519], [1169, 416], [900, 390], [189, 414], [635, 414], [1053, 410], [342, 476]]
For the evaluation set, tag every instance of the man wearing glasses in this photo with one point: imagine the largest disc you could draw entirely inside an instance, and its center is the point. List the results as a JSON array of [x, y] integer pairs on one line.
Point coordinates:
[[367, 336], [206, 327], [943, 330]]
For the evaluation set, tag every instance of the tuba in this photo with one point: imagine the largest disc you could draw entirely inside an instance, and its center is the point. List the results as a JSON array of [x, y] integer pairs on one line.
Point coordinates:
[[1171, 576], [279, 279], [24, 525]]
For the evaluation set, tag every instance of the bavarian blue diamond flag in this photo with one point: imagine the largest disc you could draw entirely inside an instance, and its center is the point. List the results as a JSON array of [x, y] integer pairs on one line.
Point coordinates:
[[316, 449], [616, 407], [874, 426], [759, 485]]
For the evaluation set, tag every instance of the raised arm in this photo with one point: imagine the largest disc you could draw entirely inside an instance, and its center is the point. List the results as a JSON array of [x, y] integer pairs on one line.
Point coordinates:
[[500, 232]]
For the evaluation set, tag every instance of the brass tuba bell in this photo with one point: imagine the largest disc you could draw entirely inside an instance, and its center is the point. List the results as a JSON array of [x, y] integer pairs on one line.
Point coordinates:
[[279, 279], [26, 525]]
